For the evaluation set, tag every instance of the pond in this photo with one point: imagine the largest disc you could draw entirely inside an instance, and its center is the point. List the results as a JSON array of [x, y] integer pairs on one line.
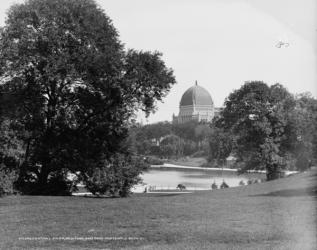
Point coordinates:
[[168, 177]]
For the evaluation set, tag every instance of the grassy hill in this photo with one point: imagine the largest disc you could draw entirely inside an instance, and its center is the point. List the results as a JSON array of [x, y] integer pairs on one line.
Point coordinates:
[[279, 214]]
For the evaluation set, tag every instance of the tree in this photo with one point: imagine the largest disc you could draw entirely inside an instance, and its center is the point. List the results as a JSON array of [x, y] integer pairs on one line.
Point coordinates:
[[149, 137], [67, 81], [258, 116], [186, 130], [172, 145], [157, 131], [221, 145]]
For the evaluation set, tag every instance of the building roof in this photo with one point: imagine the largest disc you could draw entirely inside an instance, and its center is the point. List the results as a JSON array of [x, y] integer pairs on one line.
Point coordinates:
[[196, 95]]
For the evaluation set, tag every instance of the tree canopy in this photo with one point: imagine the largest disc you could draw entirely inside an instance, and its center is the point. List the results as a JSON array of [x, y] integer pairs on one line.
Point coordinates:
[[70, 88], [172, 140], [267, 126]]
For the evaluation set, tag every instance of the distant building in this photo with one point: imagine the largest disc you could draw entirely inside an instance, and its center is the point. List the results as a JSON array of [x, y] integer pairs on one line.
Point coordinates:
[[196, 104]]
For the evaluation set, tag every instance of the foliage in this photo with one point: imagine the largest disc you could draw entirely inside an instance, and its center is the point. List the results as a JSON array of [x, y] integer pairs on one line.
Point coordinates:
[[69, 87], [168, 140], [172, 145], [186, 130], [58, 183], [11, 149], [221, 144], [304, 121], [214, 186], [241, 183], [116, 177], [181, 187], [7, 180], [152, 160], [11, 145], [224, 185], [258, 117]]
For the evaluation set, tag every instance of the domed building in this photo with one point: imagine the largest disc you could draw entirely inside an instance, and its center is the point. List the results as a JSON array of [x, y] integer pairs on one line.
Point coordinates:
[[196, 104]]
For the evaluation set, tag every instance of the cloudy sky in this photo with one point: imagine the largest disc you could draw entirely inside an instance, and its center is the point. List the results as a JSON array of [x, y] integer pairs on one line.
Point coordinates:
[[220, 43]]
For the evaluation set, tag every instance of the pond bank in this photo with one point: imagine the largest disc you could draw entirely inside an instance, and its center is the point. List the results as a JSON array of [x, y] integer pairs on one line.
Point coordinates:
[[168, 165]]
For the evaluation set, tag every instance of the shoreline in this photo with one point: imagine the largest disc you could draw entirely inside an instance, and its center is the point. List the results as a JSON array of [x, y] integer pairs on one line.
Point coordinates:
[[169, 165]]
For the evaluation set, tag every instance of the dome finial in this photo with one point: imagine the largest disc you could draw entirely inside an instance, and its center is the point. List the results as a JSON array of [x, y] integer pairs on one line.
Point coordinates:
[[196, 83]]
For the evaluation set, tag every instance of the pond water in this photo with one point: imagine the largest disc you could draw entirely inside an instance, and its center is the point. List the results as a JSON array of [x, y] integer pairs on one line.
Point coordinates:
[[193, 179]]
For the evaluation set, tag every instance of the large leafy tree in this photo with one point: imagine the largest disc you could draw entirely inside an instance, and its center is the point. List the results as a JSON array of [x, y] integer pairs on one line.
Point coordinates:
[[70, 87], [258, 116]]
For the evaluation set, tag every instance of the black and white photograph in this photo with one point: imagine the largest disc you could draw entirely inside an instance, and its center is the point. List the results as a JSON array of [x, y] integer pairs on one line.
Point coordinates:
[[158, 124]]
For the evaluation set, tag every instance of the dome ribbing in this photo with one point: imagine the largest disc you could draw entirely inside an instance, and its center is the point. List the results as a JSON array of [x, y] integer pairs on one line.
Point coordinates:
[[197, 96]]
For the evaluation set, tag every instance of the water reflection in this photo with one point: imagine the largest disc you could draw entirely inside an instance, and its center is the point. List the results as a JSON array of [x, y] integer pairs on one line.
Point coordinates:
[[194, 179]]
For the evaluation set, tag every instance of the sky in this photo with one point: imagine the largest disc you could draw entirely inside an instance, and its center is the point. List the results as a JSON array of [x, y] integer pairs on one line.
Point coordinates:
[[219, 43]]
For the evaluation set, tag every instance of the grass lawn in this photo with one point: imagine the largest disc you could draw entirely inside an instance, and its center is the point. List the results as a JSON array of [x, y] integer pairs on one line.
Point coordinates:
[[189, 161], [274, 215]]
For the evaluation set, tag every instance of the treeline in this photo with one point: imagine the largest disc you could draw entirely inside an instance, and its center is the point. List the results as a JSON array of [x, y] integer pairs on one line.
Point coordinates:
[[168, 140]]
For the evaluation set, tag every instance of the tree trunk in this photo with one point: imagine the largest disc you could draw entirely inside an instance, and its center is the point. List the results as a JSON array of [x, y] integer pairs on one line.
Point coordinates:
[[273, 172], [43, 176]]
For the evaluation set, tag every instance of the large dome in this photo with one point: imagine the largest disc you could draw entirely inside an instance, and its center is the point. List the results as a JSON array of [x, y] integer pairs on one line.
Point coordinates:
[[197, 96]]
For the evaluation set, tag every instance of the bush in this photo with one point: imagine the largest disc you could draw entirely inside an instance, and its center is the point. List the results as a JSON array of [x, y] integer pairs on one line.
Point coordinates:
[[224, 185], [181, 187], [152, 160], [116, 177], [241, 183], [7, 180], [57, 184], [214, 186], [249, 182]]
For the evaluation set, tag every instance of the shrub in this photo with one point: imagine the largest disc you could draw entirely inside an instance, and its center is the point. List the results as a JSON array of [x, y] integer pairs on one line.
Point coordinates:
[[57, 184], [249, 182], [214, 186], [116, 177], [7, 180], [241, 183], [224, 185], [152, 160], [181, 187]]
